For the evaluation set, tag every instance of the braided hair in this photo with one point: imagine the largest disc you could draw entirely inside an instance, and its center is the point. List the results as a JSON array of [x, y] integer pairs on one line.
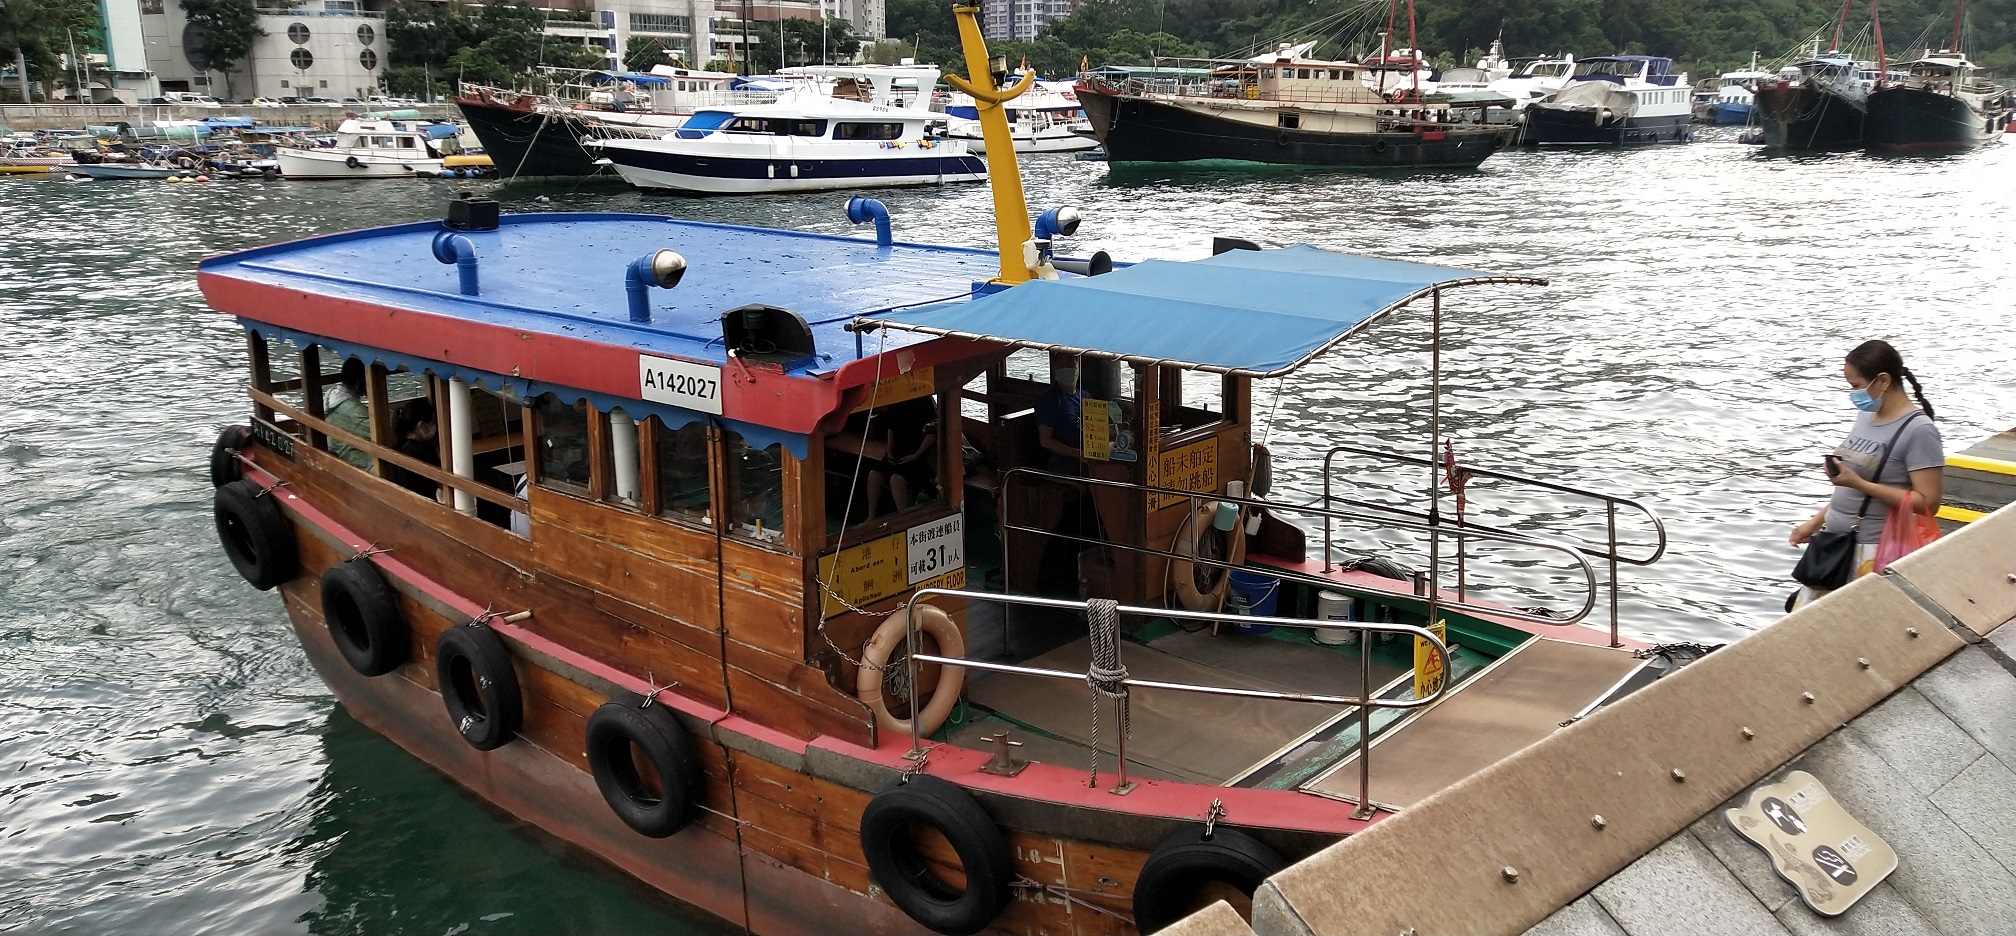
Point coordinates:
[[1876, 356]]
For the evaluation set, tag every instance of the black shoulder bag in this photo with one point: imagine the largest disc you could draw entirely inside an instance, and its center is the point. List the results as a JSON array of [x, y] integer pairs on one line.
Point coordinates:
[[1829, 562]]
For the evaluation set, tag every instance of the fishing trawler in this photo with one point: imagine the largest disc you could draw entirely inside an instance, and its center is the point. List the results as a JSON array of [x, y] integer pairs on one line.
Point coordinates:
[[1816, 104], [698, 574], [1941, 105]]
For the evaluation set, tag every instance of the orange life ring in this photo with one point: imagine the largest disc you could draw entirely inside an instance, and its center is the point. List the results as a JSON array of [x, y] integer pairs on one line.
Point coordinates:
[[932, 620], [1184, 573]]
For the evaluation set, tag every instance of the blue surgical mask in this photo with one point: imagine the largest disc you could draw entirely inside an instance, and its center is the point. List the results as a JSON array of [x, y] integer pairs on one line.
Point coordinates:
[[1863, 401]]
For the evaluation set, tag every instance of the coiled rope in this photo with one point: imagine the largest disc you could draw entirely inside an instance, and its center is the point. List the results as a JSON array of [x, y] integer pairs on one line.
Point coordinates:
[[1105, 676]]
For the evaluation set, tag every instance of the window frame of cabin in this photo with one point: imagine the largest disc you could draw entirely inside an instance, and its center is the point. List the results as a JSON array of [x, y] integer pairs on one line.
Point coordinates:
[[662, 506], [781, 537], [597, 471], [903, 517]]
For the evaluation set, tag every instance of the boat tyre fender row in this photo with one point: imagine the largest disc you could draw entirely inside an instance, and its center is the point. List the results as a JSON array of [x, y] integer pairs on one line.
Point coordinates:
[[875, 663], [362, 612], [1193, 868], [619, 736], [889, 841], [478, 685], [255, 534]]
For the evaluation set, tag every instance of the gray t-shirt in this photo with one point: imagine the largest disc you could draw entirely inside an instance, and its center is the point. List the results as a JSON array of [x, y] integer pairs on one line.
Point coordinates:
[[1918, 447]]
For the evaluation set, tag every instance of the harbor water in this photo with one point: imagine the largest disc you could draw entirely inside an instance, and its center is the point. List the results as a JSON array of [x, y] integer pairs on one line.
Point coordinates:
[[170, 763]]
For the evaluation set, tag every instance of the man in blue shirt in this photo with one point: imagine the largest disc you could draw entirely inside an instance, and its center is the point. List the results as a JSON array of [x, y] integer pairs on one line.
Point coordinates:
[[1060, 416]]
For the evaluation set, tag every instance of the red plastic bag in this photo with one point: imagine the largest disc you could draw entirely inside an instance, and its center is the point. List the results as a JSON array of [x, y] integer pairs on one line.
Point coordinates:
[[1900, 539]]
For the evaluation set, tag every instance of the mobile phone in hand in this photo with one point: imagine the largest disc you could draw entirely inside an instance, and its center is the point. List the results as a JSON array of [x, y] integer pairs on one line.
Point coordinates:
[[1833, 465]]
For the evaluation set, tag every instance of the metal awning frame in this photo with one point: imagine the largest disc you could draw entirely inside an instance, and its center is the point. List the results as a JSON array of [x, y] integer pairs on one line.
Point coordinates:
[[865, 324]]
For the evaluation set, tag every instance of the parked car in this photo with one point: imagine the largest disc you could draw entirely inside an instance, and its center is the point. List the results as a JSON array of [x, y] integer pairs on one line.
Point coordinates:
[[353, 102], [290, 99], [266, 102], [320, 101]]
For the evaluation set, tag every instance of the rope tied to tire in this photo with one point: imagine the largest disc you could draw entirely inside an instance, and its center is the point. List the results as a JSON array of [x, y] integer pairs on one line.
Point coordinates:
[[1105, 676]]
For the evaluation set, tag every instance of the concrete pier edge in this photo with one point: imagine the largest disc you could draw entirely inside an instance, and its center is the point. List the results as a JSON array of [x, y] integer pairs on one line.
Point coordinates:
[[1894, 691]]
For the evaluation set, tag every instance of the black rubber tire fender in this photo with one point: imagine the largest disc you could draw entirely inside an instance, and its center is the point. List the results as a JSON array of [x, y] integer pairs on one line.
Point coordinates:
[[224, 467], [478, 686], [256, 535], [362, 613], [353, 162], [1379, 145], [617, 733], [1176, 880], [897, 864]]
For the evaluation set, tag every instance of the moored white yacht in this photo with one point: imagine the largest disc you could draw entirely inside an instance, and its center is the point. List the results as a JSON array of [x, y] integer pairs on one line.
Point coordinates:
[[373, 149], [804, 142], [1615, 99], [1044, 119]]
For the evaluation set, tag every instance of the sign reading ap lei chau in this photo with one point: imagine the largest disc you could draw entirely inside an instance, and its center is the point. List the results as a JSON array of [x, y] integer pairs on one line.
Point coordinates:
[[683, 384]]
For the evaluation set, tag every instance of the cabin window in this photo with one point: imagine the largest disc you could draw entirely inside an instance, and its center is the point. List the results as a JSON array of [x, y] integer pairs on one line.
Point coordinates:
[[849, 130], [405, 142], [682, 471], [381, 141], [1301, 73], [1266, 73], [1191, 399], [563, 443], [884, 461], [755, 487], [1290, 121], [808, 128], [752, 125], [415, 431]]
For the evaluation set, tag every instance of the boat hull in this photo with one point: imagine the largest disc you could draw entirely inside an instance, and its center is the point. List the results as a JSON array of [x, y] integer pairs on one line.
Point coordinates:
[[728, 175], [1913, 120], [1728, 114], [336, 164], [1555, 126], [1139, 130], [530, 144], [1804, 117], [111, 171]]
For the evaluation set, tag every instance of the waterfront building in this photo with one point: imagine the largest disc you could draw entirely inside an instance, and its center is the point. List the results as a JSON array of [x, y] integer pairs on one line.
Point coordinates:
[[319, 48], [1022, 19]]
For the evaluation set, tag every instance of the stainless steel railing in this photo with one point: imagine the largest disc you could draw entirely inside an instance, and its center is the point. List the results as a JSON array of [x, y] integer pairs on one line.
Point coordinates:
[[1365, 702], [1386, 517], [1608, 551]]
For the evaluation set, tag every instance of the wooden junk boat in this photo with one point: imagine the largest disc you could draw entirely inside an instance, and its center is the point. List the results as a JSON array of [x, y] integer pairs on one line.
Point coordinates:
[[642, 602]]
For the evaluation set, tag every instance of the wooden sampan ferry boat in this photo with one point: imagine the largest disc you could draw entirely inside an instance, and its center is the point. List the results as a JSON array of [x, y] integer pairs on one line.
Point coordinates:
[[763, 565]]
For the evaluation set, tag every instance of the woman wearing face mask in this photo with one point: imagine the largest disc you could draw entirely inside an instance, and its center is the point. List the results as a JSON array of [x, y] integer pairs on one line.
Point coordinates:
[[1893, 449], [1060, 415]]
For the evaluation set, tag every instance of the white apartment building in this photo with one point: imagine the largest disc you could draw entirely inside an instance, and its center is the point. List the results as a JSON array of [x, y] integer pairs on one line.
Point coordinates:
[[321, 48], [1021, 19], [870, 18]]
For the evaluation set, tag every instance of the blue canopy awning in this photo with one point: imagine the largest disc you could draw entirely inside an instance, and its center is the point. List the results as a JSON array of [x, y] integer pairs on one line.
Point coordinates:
[[1260, 313]]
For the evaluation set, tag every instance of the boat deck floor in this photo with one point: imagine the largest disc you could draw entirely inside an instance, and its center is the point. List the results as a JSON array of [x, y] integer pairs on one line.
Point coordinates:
[[1519, 701], [1178, 735]]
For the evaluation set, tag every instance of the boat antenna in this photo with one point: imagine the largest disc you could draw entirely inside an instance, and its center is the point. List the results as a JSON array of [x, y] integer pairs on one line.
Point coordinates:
[[1840, 24], [1011, 213]]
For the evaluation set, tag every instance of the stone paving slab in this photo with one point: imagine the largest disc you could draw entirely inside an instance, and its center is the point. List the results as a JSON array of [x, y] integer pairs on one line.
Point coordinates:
[[1941, 872], [1979, 696], [1880, 913], [1914, 736], [1742, 859], [1982, 799], [1679, 889], [1584, 917]]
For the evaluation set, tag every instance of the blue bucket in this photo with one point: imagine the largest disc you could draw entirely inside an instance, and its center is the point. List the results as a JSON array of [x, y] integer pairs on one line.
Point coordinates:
[[1256, 592]]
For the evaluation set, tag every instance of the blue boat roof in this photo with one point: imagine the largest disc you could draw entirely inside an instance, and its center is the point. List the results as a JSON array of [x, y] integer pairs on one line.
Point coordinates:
[[563, 274], [1261, 313]]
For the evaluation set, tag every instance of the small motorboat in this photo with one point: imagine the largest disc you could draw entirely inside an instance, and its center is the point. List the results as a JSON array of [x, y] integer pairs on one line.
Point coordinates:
[[129, 170], [389, 148]]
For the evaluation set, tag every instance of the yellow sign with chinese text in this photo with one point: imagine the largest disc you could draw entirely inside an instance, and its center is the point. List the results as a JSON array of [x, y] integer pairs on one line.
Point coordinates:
[[1096, 429], [1192, 467], [1428, 673], [921, 382], [862, 574]]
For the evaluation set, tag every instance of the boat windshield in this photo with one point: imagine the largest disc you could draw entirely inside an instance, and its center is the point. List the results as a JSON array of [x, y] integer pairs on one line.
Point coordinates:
[[1547, 69], [703, 123], [1607, 69]]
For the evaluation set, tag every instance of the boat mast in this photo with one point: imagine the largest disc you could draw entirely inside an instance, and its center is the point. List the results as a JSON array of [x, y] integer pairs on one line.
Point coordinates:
[[1415, 50], [1959, 13], [1882, 68], [1840, 24], [1011, 213], [1386, 44]]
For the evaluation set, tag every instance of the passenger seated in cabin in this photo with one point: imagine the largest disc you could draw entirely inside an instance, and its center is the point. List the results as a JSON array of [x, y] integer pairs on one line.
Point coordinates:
[[1060, 416], [343, 405], [909, 465], [418, 439]]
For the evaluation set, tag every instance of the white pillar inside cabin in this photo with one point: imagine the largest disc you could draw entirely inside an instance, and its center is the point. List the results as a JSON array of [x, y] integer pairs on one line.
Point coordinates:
[[623, 440], [462, 442]]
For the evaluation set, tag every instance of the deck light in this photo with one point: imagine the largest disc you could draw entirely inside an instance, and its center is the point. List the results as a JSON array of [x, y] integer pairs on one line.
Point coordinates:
[[1057, 222], [663, 268]]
